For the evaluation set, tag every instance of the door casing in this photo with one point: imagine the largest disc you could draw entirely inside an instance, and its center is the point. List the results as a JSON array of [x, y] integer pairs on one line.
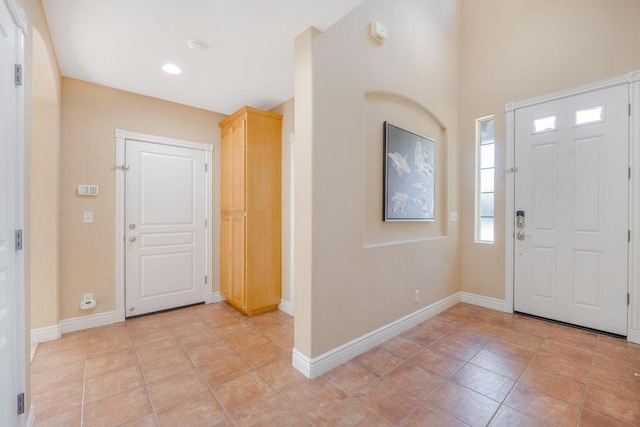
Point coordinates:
[[633, 82], [17, 295], [120, 169]]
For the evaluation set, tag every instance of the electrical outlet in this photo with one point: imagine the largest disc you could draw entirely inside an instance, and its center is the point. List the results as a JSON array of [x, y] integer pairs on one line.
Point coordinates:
[[88, 297], [416, 296]]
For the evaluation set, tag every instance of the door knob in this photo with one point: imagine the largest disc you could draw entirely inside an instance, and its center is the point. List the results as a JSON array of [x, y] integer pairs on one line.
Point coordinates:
[[132, 226], [132, 238]]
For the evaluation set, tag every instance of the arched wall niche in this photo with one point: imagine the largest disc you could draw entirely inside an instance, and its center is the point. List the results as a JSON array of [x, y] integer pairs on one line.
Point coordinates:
[[402, 111]]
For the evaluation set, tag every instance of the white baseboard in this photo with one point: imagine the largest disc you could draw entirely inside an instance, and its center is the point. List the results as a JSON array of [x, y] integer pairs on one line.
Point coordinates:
[[633, 335], [48, 333], [31, 416], [286, 306], [213, 297], [482, 301], [91, 321], [313, 368], [51, 333], [33, 350]]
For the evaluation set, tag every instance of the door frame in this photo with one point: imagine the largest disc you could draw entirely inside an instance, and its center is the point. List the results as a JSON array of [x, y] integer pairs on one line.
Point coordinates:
[[633, 81], [121, 136], [19, 294]]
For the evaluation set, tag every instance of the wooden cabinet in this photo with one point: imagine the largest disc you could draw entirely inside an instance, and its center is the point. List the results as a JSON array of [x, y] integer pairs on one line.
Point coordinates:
[[250, 201]]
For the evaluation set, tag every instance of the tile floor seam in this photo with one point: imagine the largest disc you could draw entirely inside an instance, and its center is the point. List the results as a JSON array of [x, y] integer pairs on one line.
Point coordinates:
[[212, 391], [586, 385], [84, 378], [209, 387], [529, 366], [295, 408], [446, 380], [144, 379], [513, 386]]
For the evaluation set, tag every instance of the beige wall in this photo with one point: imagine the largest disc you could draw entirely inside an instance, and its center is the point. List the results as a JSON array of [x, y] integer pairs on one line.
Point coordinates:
[[41, 135], [90, 115], [517, 49], [353, 273], [45, 177], [288, 130]]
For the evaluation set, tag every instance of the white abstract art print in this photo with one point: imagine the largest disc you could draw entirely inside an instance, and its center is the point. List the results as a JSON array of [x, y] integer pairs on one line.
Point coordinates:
[[409, 166]]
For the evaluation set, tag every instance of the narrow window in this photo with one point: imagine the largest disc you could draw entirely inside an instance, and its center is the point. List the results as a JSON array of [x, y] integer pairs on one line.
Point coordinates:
[[545, 124], [485, 179], [589, 115]]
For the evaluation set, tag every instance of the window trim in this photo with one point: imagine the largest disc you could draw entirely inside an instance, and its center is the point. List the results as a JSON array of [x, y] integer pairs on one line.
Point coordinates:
[[478, 190]]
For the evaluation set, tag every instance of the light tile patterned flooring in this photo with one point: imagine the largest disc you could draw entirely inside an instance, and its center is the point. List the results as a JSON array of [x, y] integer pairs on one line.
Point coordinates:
[[208, 365]]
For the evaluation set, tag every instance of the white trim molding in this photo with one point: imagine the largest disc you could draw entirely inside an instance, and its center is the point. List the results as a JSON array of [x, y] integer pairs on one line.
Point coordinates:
[[633, 81], [287, 307], [603, 84], [48, 333], [17, 14], [121, 136], [211, 297], [31, 416], [313, 368], [482, 301], [91, 321], [633, 313]]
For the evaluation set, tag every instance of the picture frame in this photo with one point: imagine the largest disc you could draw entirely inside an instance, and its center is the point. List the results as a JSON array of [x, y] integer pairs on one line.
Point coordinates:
[[409, 175]]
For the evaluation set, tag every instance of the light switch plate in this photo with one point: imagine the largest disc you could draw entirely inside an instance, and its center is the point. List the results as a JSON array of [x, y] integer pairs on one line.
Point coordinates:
[[453, 216], [87, 217]]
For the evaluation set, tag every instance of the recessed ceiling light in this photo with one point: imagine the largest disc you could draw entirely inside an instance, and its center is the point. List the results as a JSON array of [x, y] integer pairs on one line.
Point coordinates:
[[171, 69]]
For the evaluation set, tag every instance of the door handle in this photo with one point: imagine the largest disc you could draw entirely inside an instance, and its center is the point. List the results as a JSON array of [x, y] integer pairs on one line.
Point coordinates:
[[521, 236], [132, 238], [132, 226]]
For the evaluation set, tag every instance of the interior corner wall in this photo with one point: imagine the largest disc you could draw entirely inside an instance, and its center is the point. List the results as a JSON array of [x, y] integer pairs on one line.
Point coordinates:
[[515, 50], [303, 191], [42, 183], [90, 115], [287, 111], [351, 287]]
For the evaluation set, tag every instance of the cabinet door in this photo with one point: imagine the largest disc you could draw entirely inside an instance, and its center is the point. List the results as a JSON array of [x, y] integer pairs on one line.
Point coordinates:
[[226, 169], [237, 177], [226, 255], [232, 167], [238, 273]]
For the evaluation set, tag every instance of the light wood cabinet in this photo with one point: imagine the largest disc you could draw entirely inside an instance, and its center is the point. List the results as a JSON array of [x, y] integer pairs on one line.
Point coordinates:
[[250, 201]]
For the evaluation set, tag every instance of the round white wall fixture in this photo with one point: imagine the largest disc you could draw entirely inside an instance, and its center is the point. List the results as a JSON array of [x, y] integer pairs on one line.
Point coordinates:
[[196, 46]]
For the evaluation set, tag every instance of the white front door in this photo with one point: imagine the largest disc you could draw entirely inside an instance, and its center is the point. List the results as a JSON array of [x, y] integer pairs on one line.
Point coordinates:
[[165, 230], [572, 180], [11, 371]]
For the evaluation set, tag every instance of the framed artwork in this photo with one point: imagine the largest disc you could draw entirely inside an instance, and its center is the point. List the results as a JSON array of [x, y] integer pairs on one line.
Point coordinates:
[[409, 183]]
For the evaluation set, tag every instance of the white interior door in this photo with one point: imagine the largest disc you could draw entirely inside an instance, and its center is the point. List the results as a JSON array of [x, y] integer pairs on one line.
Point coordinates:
[[572, 159], [165, 229], [11, 371]]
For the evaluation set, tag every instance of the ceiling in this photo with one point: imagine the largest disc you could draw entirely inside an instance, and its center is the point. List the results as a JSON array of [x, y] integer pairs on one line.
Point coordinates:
[[249, 59]]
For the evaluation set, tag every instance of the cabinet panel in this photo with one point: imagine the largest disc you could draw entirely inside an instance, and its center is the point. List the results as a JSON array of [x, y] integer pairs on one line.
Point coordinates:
[[238, 287], [226, 169], [238, 166], [232, 260], [232, 167], [226, 256]]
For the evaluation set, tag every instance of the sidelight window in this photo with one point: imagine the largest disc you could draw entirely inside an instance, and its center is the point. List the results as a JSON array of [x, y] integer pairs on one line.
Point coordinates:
[[485, 179]]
